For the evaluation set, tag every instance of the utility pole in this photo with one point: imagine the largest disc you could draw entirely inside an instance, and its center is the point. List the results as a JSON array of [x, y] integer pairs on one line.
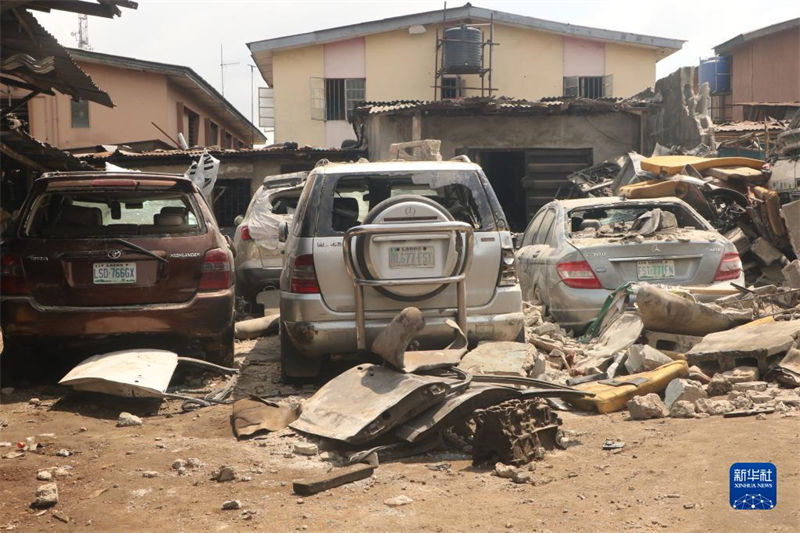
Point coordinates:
[[222, 66], [252, 100]]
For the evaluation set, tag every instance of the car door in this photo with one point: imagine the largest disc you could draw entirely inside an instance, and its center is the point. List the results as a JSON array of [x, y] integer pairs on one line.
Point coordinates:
[[526, 256]]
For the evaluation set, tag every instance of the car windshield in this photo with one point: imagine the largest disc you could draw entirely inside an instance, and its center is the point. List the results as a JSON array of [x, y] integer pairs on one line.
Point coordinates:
[[353, 196], [68, 214], [608, 220]]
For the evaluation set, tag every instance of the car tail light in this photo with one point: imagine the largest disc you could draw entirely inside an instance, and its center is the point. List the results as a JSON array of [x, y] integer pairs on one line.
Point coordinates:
[[304, 277], [730, 266], [578, 275], [13, 276], [246, 233], [508, 268], [216, 270]]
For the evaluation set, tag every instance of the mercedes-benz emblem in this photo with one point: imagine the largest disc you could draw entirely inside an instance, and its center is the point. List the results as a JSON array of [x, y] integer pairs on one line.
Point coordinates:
[[114, 254]]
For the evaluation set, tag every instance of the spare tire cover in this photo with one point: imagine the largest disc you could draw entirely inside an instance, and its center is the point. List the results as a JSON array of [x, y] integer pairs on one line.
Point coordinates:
[[409, 255]]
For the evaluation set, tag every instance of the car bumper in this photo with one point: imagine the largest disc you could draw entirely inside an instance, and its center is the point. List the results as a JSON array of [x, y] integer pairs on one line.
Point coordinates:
[[315, 330], [206, 315], [577, 308]]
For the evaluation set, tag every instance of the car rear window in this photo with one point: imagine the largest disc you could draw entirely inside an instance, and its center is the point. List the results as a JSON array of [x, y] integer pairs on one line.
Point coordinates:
[[348, 198], [86, 214], [603, 220]]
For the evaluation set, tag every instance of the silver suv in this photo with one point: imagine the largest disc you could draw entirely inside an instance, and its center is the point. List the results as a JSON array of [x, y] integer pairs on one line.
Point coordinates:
[[369, 239]]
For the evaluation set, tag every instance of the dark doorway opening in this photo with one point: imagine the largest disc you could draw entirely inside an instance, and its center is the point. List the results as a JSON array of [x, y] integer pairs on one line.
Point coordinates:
[[231, 198], [505, 170]]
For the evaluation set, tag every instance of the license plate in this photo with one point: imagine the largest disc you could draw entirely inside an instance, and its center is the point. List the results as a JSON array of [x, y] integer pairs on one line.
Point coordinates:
[[411, 257], [655, 269], [110, 273]]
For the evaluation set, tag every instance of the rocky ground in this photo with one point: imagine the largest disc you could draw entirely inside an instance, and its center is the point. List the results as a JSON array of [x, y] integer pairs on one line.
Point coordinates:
[[671, 474]]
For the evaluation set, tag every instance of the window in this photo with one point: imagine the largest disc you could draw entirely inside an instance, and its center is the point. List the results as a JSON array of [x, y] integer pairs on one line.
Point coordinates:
[[227, 140], [451, 87], [80, 113], [192, 123], [213, 134], [336, 98], [544, 229], [588, 86]]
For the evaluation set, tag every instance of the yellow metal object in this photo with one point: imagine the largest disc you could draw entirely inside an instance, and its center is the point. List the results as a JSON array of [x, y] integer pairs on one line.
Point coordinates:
[[653, 189], [673, 164], [613, 397]]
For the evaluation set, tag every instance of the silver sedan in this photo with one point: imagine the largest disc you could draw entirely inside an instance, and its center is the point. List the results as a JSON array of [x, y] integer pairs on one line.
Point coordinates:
[[575, 252]]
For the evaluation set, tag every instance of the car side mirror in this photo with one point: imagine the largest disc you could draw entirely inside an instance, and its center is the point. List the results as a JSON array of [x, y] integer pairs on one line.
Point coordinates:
[[283, 231], [238, 220]]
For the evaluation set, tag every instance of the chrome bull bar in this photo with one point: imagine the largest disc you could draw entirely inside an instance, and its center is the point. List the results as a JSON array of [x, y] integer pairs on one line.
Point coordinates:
[[457, 228]]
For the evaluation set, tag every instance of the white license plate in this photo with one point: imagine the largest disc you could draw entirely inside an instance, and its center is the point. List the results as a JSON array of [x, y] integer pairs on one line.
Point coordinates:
[[655, 269], [411, 257], [110, 273]]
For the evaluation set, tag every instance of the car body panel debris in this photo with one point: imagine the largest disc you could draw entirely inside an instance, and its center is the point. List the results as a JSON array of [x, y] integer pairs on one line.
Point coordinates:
[[368, 401], [455, 408], [133, 373], [612, 394], [514, 432], [334, 478], [254, 415], [787, 372]]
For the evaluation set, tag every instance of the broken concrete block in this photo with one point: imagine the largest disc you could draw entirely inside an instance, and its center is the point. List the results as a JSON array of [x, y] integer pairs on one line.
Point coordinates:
[[225, 473], [739, 240], [642, 357], [755, 386], [791, 274], [127, 420], [740, 374], [306, 448], [757, 342], [391, 343], [759, 397], [713, 407], [718, 386], [681, 389], [503, 358], [46, 496], [765, 251], [682, 409], [791, 216], [663, 311], [504, 471], [697, 374], [647, 406]]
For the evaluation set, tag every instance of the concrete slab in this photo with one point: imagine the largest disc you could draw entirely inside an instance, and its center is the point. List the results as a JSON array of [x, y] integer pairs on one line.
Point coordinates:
[[756, 342]]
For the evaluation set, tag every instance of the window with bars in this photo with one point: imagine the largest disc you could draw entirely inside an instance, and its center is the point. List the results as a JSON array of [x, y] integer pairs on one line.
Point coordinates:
[[336, 98], [79, 110], [588, 86], [451, 87], [192, 122]]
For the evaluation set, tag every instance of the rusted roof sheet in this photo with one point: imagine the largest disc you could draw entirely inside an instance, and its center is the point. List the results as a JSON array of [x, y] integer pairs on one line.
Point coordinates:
[[749, 125], [503, 105], [16, 144], [22, 38], [277, 150]]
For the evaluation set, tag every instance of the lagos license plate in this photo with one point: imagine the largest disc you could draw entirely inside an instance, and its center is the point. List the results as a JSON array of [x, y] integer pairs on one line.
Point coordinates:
[[411, 257], [655, 269], [111, 273]]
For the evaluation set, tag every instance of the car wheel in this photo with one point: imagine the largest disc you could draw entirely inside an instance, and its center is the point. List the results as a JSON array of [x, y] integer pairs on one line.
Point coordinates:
[[220, 352], [294, 365]]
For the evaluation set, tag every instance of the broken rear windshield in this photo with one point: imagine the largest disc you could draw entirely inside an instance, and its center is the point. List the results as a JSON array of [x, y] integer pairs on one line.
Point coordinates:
[[348, 198], [615, 219], [79, 214]]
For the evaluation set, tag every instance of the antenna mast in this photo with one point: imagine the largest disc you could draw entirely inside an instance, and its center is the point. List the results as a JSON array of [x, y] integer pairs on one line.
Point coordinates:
[[82, 35]]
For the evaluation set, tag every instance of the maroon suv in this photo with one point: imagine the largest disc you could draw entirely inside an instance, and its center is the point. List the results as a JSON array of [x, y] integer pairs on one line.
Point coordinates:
[[118, 256]]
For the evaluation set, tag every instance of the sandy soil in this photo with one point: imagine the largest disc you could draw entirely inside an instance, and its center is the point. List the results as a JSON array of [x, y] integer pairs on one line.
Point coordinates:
[[672, 474]]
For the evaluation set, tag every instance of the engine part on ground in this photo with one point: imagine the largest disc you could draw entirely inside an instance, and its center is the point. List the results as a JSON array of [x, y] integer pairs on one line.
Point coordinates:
[[514, 432]]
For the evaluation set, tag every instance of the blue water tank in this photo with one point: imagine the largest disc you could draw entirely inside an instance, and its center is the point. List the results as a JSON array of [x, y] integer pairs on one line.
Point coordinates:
[[717, 72], [462, 50]]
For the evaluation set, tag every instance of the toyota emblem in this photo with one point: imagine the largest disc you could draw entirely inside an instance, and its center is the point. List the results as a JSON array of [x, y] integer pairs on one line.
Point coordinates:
[[114, 254]]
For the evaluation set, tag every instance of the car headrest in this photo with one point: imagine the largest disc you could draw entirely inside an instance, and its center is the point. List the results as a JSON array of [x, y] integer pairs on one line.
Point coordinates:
[[168, 219], [76, 215], [589, 223]]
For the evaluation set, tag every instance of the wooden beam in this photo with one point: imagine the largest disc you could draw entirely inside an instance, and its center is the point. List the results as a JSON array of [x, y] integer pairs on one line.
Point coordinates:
[[13, 154], [335, 478], [23, 85]]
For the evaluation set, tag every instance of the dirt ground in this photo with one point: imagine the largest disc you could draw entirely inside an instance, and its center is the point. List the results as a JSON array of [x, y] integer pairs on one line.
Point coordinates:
[[672, 474]]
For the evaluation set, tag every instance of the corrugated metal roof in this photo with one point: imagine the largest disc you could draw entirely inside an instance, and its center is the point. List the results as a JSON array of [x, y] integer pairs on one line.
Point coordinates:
[[749, 125], [273, 150], [502, 105], [20, 146]]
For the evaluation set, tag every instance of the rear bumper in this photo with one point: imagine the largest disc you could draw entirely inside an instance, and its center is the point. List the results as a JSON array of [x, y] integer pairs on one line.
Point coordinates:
[[258, 278], [206, 315], [315, 330], [577, 308]]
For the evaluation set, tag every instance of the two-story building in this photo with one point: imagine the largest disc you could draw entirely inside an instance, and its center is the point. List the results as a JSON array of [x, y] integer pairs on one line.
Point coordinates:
[[153, 102], [319, 77]]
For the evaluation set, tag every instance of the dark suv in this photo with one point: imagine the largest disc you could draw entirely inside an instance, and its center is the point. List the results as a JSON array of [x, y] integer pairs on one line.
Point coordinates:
[[120, 256]]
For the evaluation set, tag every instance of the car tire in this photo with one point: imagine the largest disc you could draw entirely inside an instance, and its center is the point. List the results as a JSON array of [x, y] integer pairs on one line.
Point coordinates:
[[220, 352], [294, 365]]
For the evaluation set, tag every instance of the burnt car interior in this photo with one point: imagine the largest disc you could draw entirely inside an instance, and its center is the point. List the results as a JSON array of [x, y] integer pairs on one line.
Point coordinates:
[[354, 197], [622, 218], [102, 214]]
